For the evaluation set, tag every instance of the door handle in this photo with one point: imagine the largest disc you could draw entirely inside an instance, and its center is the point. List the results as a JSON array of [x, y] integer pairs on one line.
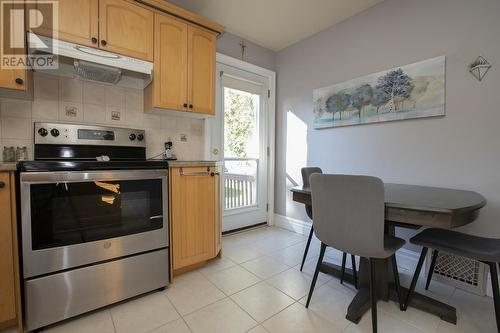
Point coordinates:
[[196, 173], [2, 184]]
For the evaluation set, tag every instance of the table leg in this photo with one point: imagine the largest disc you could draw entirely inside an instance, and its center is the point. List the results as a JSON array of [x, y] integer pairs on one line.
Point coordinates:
[[386, 291], [361, 302]]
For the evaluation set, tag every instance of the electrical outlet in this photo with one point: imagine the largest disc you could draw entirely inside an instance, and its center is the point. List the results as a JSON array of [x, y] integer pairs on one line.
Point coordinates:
[[71, 111], [115, 115]]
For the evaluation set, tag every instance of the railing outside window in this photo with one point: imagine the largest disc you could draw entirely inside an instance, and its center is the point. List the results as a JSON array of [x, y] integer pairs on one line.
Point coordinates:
[[240, 182]]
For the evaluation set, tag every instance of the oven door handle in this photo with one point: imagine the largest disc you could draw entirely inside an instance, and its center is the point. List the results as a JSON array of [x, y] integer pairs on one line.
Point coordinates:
[[90, 176]]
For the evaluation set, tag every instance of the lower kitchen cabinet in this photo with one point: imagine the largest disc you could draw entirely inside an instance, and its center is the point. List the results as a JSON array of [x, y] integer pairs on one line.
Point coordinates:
[[10, 307], [195, 215]]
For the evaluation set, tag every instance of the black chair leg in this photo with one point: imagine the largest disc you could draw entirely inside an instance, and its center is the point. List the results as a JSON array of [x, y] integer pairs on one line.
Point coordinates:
[[354, 273], [415, 277], [431, 268], [307, 248], [396, 280], [316, 273], [496, 292], [373, 295], [342, 270]]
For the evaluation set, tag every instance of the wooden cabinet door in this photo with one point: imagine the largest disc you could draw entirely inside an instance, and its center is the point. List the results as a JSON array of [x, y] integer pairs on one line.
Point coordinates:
[[170, 63], [78, 22], [7, 284], [201, 70], [192, 211], [14, 78], [126, 28]]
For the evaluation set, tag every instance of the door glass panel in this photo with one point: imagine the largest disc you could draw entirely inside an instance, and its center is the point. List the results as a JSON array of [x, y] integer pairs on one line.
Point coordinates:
[[241, 148], [71, 213]]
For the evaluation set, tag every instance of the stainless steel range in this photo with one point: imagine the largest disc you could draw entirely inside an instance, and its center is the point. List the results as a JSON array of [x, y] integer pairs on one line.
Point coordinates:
[[94, 221]]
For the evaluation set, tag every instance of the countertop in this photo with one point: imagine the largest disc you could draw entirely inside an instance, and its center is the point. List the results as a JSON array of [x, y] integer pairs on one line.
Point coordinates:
[[8, 166], [193, 163]]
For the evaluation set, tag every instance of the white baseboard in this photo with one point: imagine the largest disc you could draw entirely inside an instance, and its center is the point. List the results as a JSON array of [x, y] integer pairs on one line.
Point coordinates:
[[292, 224]]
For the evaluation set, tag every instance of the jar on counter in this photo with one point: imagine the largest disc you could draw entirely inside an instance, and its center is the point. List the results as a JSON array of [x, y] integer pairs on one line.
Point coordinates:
[[22, 153], [9, 154]]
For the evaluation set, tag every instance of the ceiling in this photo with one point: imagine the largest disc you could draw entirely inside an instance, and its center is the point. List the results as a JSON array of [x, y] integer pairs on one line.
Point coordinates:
[[275, 24]]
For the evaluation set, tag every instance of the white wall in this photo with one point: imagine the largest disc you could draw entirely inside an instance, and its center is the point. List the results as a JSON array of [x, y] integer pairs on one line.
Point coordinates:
[[461, 150], [94, 103], [229, 44]]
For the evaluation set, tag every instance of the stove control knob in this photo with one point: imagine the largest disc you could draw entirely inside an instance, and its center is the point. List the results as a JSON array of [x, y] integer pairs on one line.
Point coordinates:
[[43, 132], [54, 132], [140, 137], [132, 137]]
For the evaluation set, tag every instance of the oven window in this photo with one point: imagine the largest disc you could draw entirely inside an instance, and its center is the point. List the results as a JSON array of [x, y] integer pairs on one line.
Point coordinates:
[[72, 213]]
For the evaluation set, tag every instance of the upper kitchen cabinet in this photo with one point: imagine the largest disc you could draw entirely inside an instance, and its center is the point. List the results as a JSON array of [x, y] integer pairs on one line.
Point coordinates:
[[201, 70], [170, 63], [118, 26], [78, 22], [126, 28], [184, 67], [14, 79]]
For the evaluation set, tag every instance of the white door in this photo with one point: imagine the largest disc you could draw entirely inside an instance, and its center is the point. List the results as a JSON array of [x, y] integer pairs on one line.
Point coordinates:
[[240, 141]]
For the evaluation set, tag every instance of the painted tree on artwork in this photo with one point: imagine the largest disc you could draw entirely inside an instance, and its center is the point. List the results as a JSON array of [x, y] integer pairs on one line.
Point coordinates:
[[397, 85], [379, 98], [338, 102], [361, 97]]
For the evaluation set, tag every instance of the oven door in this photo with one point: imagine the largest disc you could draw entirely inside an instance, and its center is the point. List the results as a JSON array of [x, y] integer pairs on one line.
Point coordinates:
[[72, 219]]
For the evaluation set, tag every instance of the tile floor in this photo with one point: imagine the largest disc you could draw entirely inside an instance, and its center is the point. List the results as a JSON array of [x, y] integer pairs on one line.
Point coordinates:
[[257, 287]]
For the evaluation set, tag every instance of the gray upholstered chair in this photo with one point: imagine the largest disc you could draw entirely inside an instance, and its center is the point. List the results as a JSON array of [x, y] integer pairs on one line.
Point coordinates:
[[486, 250], [306, 174], [349, 215]]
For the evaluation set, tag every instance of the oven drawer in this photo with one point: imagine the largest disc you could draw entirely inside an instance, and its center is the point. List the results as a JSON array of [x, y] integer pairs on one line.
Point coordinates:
[[59, 296]]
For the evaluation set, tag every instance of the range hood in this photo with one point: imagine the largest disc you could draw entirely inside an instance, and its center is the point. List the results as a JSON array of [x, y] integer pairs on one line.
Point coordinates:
[[82, 62]]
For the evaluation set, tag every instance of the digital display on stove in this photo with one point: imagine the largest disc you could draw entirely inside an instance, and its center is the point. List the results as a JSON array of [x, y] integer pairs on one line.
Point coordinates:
[[86, 134]]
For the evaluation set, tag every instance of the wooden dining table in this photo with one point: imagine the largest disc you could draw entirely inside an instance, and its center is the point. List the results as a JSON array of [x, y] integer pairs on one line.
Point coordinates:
[[413, 207]]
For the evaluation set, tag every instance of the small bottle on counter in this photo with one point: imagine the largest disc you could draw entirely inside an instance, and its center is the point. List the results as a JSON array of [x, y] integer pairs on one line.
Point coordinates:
[[21, 153], [9, 154]]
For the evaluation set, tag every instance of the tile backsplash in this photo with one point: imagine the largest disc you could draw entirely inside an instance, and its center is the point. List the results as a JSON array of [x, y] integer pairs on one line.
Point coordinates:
[[58, 99]]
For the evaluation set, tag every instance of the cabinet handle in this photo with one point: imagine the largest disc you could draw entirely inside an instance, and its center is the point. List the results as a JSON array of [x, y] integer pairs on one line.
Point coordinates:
[[198, 173], [94, 40], [185, 105], [19, 81], [190, 106], [2, 184], [103, 42], [214, 174]]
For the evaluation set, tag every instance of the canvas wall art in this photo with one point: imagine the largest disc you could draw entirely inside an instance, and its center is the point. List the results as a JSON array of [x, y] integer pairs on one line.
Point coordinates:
[[406, 92]]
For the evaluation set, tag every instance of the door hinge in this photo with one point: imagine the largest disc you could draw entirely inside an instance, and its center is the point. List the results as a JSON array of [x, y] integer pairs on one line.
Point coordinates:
[[221, 73], [268, 150], [268, 93], [267, 207]]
